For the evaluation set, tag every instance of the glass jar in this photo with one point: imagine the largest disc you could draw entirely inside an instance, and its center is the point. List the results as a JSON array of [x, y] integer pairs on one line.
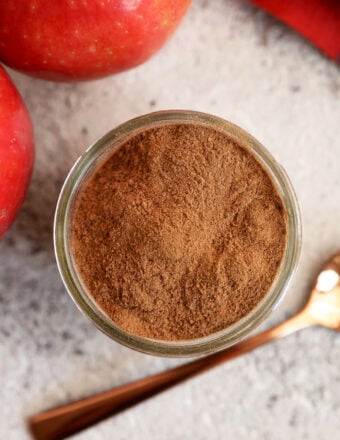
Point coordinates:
[[89, 162]]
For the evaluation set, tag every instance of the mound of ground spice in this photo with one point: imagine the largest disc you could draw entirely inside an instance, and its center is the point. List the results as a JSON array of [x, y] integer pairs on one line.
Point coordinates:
[[179, 234]]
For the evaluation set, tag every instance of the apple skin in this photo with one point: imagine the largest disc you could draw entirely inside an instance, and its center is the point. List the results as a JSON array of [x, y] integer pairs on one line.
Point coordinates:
[[16, 151], [64, 40]]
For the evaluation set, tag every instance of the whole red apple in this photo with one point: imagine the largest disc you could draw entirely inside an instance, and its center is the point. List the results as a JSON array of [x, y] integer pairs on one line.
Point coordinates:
[[16, 151], [84, 39]]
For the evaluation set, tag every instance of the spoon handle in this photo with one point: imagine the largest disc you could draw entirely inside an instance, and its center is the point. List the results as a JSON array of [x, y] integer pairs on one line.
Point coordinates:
[[69, 419]]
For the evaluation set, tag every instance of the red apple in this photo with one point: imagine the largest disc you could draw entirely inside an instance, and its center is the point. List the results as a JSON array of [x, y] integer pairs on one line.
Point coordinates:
[[16, 151], [84, 39]]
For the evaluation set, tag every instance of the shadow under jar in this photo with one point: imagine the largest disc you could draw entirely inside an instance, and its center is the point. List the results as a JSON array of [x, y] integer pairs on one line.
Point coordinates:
[[177, 233]]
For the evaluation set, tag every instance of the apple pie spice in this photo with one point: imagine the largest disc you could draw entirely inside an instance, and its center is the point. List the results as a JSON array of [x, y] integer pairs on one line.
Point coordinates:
[[179, 234]]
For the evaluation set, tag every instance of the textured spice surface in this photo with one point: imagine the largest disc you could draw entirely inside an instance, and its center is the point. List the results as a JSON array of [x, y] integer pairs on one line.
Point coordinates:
[[179, 234]]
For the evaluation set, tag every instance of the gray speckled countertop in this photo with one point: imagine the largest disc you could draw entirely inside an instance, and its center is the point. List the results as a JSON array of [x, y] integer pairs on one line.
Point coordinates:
[[232, 60]]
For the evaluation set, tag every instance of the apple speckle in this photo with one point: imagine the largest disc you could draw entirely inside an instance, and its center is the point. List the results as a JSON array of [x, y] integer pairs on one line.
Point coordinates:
[[3, 213], [131, 5]]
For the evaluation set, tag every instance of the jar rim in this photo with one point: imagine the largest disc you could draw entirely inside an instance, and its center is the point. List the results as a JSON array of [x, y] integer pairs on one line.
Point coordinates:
[[107, 145]]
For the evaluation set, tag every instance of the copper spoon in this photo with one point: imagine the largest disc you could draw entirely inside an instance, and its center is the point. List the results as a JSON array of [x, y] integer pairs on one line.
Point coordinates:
[[322, 308]]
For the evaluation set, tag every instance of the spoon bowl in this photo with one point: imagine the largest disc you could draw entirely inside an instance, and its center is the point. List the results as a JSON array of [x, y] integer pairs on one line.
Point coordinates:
[[323, 306]]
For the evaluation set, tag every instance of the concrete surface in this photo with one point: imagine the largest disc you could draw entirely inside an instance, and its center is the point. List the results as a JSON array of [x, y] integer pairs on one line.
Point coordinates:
[[232, 60]]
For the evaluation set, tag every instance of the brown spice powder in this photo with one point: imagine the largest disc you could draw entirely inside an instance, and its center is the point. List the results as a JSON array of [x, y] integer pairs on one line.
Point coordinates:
[[179, 234]]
